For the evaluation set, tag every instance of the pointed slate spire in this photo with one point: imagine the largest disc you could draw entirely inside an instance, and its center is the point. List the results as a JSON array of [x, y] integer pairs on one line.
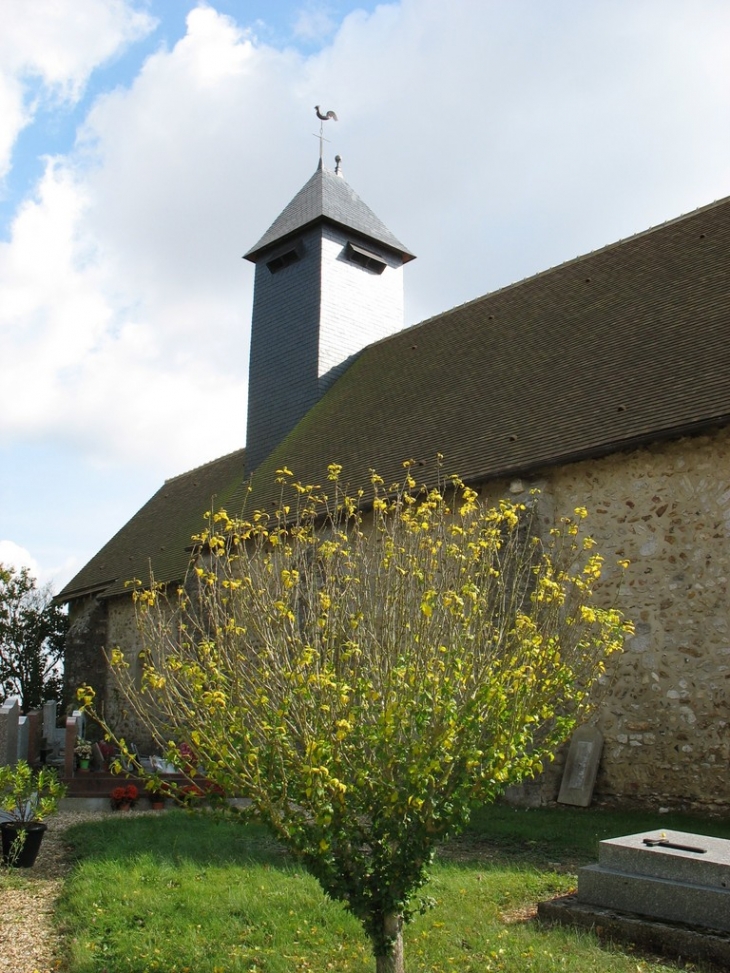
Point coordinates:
[[328, 197], [329, 282]]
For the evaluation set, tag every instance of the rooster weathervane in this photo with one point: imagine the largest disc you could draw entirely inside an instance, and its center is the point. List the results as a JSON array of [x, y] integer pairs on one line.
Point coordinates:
[[323, 117]]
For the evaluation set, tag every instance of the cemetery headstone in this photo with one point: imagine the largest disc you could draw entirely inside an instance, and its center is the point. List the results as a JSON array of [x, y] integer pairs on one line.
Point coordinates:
[[9, 713], [666, 875], [35, 729], [53, 735], [581, 767], [22, 750]]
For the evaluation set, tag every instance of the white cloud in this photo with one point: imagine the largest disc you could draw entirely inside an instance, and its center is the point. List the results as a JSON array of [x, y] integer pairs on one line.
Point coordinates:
[[494, 139], [56, 43], [126, 304], [12, 555], [315, 22]]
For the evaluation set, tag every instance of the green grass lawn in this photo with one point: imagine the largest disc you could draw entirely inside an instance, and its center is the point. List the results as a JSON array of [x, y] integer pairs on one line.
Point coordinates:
[[178, 892]]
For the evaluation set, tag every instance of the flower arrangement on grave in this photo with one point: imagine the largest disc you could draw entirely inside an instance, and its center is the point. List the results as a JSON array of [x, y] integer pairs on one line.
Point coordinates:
[[83, 748], [122, 797]]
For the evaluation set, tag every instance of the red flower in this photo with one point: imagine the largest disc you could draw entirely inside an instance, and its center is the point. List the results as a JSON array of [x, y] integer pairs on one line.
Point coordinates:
[[124, 795]]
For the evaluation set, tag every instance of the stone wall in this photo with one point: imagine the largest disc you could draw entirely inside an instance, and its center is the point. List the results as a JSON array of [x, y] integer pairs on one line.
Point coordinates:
[[86, 643], [123, 633], [665, 718]]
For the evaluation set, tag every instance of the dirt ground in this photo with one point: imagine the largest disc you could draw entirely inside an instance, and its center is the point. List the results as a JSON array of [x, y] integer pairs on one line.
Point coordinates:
[[28, 940]]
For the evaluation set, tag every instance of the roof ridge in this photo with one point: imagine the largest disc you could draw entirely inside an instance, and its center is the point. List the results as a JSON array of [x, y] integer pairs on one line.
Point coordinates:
[[549, 270], [202, 466]]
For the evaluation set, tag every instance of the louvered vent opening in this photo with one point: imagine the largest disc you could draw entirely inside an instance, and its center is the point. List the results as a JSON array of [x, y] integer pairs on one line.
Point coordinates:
[[365, 258], [286, 257]]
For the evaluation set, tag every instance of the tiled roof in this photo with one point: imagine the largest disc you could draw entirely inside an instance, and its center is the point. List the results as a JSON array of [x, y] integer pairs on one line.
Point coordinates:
[[158, 537], [627, 344], [623, 346], [328, 197]]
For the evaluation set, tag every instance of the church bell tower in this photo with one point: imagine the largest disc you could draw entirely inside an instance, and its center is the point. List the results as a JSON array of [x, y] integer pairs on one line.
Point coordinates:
[[328, 282]]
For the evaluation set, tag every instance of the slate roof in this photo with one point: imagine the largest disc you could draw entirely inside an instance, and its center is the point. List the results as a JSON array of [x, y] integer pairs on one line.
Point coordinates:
[[158, 537], [327, 196], [626, 345]]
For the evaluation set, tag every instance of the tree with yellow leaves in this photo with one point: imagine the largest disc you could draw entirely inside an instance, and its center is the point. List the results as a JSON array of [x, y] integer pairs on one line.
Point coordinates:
[[367, 677]]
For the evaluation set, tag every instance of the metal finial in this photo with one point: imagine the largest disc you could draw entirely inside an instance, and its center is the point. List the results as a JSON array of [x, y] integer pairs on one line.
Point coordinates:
[[338, 165], [323, 117]]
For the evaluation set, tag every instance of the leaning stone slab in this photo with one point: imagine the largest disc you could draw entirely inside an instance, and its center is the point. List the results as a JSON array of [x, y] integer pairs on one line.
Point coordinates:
[[581, 767], [670, 875]]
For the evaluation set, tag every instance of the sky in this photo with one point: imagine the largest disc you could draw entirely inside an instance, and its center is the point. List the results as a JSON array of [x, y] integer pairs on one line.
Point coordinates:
[[146, 145]]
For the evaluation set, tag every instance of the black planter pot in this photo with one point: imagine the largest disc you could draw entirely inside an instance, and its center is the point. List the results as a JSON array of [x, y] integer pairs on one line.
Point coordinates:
[[24, 853]]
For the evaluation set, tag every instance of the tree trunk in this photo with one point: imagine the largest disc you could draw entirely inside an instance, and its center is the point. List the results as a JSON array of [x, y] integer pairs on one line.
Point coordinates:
[[393, 961]]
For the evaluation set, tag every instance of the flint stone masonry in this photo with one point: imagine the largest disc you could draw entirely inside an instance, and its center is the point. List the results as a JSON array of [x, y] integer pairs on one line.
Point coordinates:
[[85, 645], [123, 633], [662, 882], [664, 706]]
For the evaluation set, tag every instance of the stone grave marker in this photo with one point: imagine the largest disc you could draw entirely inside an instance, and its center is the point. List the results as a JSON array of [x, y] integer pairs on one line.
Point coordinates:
[[9, 713], [23, 728], [666, 875], [581, 767], [54, 735], [35, 729]]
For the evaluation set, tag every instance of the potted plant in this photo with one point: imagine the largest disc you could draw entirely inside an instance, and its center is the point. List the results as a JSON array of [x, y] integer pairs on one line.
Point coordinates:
[[157, 792], [83, 750], [124, 798], [26, 798]]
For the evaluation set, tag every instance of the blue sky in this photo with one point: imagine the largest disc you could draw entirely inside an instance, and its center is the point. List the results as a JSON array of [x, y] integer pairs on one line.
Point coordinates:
[[145, 146]]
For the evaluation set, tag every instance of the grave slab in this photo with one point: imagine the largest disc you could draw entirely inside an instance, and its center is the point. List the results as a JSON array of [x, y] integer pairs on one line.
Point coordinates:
[[670, 875], [672, 939]]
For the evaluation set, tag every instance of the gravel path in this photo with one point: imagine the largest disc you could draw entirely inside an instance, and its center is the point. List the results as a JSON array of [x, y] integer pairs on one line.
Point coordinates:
[[28, 940]]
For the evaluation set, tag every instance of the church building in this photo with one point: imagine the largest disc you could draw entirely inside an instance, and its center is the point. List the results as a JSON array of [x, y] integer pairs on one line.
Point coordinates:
[[604, 382]]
